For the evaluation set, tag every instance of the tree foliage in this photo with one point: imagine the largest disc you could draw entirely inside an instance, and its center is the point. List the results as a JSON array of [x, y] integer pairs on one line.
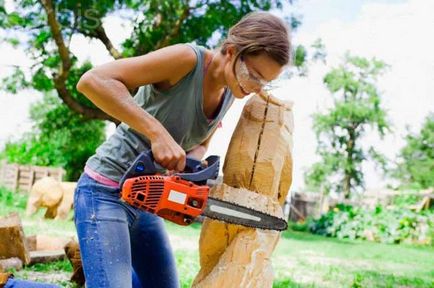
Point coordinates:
[[60, 137], [46, 27], [415, 167], [64, 134], [340, 130]]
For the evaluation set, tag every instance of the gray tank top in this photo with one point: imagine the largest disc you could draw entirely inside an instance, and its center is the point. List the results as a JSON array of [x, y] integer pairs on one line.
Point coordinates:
[[179, 109]]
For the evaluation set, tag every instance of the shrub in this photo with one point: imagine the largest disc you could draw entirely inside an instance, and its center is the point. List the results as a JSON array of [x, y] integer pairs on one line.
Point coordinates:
[[12, 199], [60, 138], [392, 225]]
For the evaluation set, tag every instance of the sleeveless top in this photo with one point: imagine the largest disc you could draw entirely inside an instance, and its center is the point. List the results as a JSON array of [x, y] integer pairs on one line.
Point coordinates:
[[179, 109]]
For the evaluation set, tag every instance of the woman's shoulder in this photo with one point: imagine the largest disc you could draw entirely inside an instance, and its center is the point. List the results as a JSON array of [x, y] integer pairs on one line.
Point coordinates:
[[201, 55]]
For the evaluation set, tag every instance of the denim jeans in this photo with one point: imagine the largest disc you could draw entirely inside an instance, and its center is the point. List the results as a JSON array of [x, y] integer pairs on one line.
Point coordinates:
[[16, 283], [120, 246]]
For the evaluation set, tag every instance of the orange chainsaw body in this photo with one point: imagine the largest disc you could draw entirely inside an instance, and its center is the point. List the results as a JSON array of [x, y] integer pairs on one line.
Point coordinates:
[[170, 197]]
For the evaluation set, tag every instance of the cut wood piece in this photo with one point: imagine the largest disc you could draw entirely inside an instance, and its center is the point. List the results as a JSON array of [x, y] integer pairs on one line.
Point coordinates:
[[11, 263], [12, 239], [31, 242], [46, 256], [72, 251], [258, 161], [51, 243], [4, 277]]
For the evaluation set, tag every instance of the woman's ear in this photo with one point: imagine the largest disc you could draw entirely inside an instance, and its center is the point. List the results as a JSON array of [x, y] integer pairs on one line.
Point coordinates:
[[230, 52]]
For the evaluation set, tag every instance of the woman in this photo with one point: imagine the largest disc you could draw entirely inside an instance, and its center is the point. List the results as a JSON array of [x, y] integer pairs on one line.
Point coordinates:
[[184, 92]]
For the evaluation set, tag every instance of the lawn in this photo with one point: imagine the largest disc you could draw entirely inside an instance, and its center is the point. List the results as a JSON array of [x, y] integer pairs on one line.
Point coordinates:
[[300, 259]]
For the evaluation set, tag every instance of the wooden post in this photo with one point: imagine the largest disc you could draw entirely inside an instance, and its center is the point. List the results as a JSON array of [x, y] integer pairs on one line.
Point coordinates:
[[257, 173], [31, 178], [22, 177]]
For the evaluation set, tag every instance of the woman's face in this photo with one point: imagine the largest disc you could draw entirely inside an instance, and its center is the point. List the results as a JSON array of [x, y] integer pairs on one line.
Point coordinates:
[[252, 73]]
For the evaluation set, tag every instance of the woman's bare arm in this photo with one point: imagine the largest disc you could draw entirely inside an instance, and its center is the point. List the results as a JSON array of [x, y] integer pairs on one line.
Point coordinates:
[[107, 86]]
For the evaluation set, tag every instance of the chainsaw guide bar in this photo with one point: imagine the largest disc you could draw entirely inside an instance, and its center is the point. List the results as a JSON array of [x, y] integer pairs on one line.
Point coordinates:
[[240, 215]]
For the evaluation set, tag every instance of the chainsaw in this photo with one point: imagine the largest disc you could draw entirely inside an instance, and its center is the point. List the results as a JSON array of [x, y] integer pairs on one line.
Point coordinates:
[[184, 196]]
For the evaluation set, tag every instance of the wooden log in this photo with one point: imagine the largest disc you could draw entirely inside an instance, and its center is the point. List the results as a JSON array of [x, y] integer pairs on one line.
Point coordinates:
[[12, 239], [11, 263], [258, 161], [46, 256], [51, 243], [31, 242], [72, 251]]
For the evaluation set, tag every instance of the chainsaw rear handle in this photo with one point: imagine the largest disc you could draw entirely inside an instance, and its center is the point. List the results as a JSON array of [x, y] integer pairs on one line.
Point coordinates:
[[194, 170]]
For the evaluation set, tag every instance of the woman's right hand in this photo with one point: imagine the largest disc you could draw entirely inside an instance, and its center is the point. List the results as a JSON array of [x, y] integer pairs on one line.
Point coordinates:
[[167, 152]]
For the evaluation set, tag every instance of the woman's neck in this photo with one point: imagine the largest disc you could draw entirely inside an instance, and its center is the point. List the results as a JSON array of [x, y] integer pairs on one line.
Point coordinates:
[[213, 83], [215, 71]]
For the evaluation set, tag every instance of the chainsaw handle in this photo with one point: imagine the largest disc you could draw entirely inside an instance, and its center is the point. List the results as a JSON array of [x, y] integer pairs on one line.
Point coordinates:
[[144, 164], [198, 173]]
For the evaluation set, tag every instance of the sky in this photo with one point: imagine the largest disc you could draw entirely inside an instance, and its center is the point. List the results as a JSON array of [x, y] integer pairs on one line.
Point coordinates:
[[397, 32]]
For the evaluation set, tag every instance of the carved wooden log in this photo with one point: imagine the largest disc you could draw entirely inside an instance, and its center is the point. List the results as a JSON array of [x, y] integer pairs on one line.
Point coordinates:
[[257, 173], [56, 196]]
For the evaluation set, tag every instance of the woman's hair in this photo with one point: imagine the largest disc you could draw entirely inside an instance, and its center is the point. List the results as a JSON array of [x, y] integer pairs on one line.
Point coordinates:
[[260, 32]]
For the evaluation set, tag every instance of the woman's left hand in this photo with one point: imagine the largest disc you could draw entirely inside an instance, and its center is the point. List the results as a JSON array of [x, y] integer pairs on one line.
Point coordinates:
[[197, 152]]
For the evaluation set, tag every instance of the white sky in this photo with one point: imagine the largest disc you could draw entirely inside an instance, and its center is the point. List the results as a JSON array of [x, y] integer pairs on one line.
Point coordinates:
[[397, 32]]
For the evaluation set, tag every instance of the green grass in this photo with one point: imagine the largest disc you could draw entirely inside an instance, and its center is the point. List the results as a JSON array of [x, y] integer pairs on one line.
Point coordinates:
[[63, 265], [299, 260], [11, 202], [307, 260]]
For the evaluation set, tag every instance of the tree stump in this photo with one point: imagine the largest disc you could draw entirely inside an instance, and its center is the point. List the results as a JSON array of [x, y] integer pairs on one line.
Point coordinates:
[[12, 239], [257, 173]]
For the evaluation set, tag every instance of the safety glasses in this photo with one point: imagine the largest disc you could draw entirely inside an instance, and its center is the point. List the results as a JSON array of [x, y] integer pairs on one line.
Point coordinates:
[[248, 80]]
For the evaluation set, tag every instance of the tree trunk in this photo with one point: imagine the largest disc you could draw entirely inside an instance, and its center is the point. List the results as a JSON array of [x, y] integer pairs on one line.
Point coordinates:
[[258, 174], [349, 172]]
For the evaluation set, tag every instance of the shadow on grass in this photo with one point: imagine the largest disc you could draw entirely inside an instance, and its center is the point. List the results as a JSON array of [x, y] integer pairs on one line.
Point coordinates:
[[289, 283], [368, 278], [306, 236]]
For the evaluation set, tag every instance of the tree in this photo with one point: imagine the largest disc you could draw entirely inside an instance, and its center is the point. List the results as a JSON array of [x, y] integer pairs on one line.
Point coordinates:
[[415, 167], [60, 137], [340, 130], [46, 27]]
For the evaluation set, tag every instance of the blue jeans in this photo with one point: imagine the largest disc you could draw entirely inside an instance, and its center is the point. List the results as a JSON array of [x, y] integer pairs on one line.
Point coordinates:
[[120, 246], [16, 283]]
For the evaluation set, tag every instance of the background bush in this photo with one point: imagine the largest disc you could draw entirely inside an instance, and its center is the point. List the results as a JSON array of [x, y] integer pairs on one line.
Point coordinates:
[[387, 225], [60, 138]]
